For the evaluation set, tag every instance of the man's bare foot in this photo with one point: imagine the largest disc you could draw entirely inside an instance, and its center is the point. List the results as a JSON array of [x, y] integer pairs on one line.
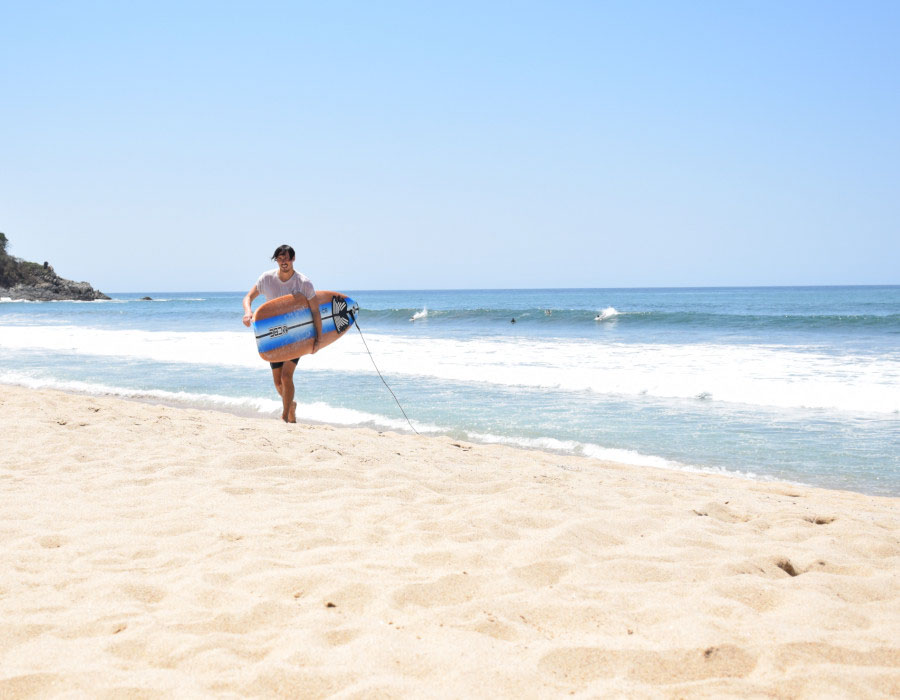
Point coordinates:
[[292, 413]]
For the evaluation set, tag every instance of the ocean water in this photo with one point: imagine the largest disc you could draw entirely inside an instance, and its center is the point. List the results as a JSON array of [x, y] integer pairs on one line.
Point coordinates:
[[789, 384]]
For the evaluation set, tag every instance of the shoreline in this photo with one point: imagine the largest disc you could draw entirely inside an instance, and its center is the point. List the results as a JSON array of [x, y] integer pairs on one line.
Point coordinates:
[[250, 413], [152, 549]]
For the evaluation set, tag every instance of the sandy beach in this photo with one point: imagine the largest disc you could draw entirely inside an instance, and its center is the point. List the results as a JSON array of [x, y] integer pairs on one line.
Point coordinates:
[[151, 550]]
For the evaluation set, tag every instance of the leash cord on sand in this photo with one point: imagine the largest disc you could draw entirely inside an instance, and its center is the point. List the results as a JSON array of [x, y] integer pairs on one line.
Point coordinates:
[[382, 378]]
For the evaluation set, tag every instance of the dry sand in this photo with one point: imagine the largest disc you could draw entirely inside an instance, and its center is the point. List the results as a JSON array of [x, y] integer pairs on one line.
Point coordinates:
[[159, 551]]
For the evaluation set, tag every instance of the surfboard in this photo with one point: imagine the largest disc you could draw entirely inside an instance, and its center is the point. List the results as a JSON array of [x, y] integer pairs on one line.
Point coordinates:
[[284, 326]]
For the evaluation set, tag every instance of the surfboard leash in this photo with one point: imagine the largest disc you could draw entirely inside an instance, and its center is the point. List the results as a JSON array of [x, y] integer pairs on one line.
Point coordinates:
[[356, 323]]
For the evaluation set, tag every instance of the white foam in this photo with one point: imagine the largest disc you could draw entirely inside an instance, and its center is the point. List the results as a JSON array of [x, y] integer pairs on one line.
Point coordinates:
[[317, 412], [606, 314], [261, 405], [543, 443], [320, 412], [80, 301], [224, 348], [607, 454], [10, 300], [772, 376], [420, 314], [585, 449]]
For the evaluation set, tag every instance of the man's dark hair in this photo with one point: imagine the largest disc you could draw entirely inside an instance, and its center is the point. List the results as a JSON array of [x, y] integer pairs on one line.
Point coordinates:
[[281, 250]]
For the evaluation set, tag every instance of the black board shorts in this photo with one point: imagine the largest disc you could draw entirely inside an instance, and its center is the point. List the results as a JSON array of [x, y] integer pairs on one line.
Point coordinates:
[[276, 365]]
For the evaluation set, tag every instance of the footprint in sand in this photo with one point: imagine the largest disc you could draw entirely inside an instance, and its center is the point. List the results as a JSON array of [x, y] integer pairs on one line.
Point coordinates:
[[52, 541], [448, 590], [583, 665], [144, 593], [542, 573]]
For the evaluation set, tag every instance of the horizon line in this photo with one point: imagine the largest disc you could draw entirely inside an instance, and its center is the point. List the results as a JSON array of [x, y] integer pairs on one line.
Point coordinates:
[[538, 289]]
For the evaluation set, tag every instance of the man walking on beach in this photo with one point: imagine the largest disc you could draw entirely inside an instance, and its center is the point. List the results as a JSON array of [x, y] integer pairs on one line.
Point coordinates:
[[277, 283]]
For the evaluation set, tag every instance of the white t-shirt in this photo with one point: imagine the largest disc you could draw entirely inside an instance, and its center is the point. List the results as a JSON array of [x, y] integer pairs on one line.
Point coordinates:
[[271, 287]]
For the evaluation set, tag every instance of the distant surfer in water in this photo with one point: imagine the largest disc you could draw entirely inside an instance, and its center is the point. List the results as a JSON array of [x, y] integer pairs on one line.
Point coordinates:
[[272, 284]]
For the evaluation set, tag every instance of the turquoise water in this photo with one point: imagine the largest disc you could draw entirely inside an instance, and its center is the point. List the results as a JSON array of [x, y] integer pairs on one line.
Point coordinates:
[[796, 384]]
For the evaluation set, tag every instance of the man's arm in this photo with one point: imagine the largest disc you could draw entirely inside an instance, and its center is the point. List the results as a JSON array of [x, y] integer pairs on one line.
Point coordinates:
[[316, 315], [251, 295], [317, 321]]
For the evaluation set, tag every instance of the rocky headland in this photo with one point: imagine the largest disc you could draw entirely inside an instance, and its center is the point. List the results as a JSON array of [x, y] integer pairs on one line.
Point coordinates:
[[30, 281]]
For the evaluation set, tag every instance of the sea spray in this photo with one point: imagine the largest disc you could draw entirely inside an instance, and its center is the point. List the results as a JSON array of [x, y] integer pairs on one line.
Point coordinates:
[[606, 314]]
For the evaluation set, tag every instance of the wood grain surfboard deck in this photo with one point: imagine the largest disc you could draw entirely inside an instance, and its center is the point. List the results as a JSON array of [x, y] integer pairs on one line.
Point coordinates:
[[284, 329]]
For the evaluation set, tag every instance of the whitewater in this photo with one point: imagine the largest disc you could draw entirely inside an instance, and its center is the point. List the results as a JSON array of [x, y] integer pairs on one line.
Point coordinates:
[[796, 384]]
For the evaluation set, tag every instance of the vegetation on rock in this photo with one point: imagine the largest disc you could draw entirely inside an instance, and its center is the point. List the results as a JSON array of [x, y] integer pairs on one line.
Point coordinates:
[[21, 279]]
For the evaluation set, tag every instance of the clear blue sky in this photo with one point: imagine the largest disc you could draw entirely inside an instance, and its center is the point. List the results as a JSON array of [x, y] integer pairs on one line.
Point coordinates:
[[165, 146]]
